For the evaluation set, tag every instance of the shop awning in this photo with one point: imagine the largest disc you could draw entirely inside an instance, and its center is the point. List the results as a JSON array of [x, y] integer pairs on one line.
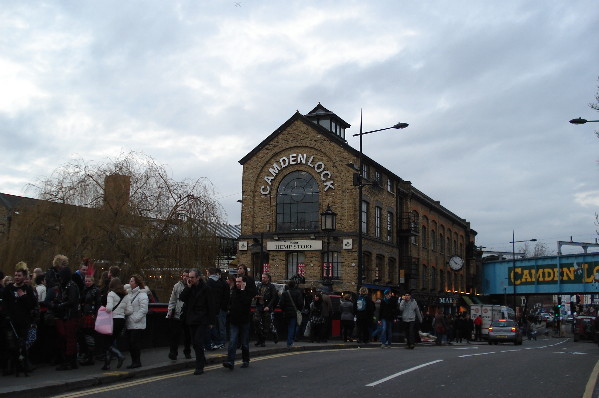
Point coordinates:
[[467, 300], [377, 287]]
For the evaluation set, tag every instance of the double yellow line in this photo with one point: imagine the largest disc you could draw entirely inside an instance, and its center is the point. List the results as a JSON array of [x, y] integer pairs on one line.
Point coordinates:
[[152, 379]]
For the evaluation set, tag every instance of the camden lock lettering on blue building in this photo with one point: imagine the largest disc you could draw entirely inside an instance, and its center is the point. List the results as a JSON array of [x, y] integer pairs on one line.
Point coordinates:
[[577, 273]]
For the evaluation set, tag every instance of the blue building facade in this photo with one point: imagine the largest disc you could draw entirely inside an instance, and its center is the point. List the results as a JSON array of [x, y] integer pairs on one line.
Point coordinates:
[[566, 274]]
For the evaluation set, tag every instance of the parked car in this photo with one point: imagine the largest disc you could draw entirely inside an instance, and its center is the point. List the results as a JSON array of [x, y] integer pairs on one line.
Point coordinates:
[[584, 328], [505, 330]]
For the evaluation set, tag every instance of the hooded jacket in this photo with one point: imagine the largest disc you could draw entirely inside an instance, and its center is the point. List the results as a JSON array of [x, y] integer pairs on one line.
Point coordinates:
[[139, 304]]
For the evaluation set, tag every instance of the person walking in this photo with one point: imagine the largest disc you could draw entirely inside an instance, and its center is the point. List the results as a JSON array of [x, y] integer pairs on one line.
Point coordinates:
[[220, 293], [119, 303], [136, 321], [175, 315], [346, 307], [478, 328], [240, 302], [91, 301], [409, 314], [200, 315], [291, 302], [440, 327], [387, 317]]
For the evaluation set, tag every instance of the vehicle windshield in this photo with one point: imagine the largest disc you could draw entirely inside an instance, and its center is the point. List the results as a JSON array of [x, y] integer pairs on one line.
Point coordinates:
[[503, 324]]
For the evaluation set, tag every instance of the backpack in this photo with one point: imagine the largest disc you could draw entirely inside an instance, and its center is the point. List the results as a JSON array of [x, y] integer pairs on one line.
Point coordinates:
[[361, 304]]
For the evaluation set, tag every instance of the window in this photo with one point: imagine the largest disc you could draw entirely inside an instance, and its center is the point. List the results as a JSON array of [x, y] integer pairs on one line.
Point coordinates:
[[365, 171], [297, 203], [378, 270], [389, 185], [423, 236], [364, 217], [441, 243], [433, 278], [367, 271], [391, 272], [442, 286], [295, 264], [389, 226], [378, 214], [330, 265], [378, 178], [424, 277], [415, 220], [433, 240]]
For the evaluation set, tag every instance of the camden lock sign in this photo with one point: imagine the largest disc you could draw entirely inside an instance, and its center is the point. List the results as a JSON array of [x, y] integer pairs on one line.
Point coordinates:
[[548, 274], [293, 159]]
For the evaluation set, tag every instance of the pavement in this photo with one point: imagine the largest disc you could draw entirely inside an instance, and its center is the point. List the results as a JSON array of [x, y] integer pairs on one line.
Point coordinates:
[[46, 381]]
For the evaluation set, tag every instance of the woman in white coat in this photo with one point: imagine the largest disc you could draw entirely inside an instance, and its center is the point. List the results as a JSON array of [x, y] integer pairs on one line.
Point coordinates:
[[119, 303], [136, 322]]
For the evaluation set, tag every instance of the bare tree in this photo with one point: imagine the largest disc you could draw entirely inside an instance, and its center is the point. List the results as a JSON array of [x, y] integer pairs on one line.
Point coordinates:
[[539, 249], [595, 105], [126, 211]]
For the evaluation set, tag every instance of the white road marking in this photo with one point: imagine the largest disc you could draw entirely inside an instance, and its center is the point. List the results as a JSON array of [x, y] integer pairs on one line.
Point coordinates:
[[402, 373]]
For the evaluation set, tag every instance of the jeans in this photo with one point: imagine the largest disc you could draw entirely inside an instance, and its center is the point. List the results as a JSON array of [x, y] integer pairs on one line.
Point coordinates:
[[291, 328], [218, 333], [239, 333], [386, 333]]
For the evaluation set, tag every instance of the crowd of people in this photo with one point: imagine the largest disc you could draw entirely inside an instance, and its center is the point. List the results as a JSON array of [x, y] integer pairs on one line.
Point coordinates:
[[209, 311], [65, 332]]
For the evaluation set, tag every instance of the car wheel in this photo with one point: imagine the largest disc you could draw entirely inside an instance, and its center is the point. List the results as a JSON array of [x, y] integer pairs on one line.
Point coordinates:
[[496, 342], [490, 342]]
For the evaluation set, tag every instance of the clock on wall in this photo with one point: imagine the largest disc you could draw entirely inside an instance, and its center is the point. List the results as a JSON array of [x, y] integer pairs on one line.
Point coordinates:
[[456, 263]]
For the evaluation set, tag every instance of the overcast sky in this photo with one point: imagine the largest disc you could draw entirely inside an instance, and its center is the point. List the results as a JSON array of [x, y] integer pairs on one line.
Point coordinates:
[[487, 88]]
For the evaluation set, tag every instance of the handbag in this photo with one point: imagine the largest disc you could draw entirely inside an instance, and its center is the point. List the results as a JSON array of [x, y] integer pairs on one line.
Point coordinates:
[[298, 314], [104, 319]]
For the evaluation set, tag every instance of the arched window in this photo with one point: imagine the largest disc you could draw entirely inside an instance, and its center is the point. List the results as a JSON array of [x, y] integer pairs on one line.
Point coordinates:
[[297, 203]]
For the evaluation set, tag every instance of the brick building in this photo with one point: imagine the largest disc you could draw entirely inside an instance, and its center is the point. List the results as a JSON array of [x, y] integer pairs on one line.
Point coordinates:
[[303, 167]]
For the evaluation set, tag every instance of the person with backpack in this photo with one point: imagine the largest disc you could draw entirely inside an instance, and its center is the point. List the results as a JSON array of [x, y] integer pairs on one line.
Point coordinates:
[[346, 307], [364, 309]]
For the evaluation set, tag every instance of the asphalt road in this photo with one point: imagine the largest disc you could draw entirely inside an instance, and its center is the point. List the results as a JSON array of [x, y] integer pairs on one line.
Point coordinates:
[[543, 368]]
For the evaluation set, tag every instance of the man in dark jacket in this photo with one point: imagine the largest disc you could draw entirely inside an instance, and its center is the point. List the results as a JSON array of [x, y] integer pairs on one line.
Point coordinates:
[[200, 314], [66, 310], [18, 306], [387, 317], [220, 293], [292, 301], [239, 318], [266, 300]]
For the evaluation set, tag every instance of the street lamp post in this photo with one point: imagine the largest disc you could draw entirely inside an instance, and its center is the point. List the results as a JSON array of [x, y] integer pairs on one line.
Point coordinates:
[[582, 121], [360, 184], [513, 242], [328, 224]]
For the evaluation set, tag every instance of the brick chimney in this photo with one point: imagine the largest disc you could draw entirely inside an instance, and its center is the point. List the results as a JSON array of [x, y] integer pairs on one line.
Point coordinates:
[[116, 191]]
